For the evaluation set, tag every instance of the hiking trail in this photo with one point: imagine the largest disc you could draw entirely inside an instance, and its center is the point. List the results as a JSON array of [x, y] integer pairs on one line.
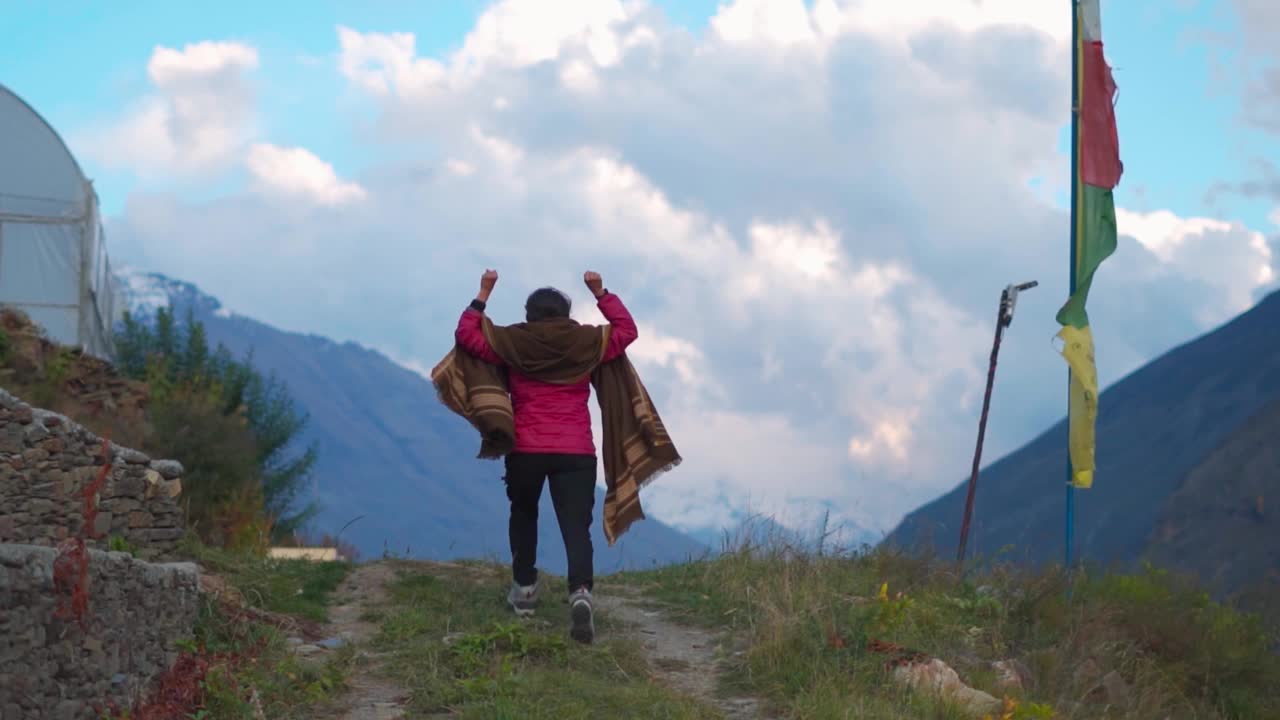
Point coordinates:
[[370, 696], [683, 658]]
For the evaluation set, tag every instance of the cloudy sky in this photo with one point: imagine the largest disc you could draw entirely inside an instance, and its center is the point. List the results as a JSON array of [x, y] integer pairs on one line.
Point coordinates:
[[811, 207]]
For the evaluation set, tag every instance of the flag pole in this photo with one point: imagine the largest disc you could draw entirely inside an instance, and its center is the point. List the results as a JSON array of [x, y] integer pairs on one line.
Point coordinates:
[[1075, 207]]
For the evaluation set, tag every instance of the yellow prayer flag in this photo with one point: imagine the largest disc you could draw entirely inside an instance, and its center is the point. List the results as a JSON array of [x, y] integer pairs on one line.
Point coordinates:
[[1077, 349]]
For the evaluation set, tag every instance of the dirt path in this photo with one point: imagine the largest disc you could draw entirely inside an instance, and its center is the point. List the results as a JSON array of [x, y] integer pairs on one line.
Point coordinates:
[[370, 696], [683, 658]]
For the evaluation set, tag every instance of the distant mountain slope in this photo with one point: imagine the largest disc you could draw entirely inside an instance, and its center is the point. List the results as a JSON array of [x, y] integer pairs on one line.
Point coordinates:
[[1156, 431], [1223, 522], [390, 452]]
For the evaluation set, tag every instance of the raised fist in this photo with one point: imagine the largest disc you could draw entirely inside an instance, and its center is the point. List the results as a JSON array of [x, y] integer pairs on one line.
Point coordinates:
[[594, 283], [488, 280]]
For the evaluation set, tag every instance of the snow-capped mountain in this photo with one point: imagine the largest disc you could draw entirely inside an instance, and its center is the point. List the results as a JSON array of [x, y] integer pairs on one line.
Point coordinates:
[[145, 293]]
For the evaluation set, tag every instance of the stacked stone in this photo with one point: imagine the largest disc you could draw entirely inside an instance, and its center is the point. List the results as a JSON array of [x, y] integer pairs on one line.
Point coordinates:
[[51, 668], [45, 462]]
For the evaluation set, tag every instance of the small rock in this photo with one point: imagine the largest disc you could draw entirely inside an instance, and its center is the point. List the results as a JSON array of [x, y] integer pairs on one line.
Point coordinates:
[[131, 456], [307, 650], [168, 469], [937, 678], [159, 535], [11, 440], [35, 432], [1011, 676], [154, 482], [1116, 689], [102, 523], [332, 643], [294, 642]]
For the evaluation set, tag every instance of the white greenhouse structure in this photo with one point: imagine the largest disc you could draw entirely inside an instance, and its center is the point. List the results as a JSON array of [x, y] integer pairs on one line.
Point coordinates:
[[53, 257]]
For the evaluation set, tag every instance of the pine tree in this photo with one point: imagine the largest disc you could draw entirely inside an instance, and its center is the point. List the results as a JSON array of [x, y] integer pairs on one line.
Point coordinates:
[[186, 376]]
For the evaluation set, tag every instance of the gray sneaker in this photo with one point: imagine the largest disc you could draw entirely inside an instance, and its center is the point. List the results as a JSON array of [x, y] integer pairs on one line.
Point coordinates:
[[580, 613], [523, 599]]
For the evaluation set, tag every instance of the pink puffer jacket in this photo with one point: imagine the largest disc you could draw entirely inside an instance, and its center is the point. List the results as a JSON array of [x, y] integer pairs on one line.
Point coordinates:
[[551, 419]]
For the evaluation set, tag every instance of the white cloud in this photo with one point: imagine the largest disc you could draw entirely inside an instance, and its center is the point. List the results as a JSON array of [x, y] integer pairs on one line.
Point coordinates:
[[790, 24], [791, 471], [1051, 18], [199, 117], [196, 63], [666, 351], [783, 23], [382, 63], [1254, 61], [510, 34], [517, 33], [1233, 259], [297, 171], [460, 167], [809, 255], [810, 211], [200, 123]]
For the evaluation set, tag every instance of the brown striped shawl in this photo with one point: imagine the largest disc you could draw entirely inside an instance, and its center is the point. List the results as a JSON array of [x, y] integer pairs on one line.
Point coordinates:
[[636, 447]]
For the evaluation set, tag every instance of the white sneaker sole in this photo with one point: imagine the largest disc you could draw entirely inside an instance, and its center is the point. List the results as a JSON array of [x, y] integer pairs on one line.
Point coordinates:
[[583, 629]]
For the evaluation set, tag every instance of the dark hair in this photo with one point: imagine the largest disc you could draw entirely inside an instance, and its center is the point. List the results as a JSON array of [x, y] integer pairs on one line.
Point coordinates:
[[546, 304]]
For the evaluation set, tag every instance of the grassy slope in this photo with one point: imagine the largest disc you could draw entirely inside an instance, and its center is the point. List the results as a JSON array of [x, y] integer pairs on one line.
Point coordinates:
[[244, 664], [807, 621], [803, 622]]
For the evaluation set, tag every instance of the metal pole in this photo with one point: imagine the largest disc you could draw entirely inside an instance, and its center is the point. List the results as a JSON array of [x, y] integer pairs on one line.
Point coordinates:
[[982, 432], [1075, 209], [1004, 317]]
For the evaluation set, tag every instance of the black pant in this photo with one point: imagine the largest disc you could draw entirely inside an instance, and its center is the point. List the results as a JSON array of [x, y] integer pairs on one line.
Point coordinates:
[[573, 491]]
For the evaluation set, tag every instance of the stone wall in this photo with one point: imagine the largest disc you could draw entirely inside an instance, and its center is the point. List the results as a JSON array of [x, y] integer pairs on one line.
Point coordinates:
[[51, 668], [45, 462]]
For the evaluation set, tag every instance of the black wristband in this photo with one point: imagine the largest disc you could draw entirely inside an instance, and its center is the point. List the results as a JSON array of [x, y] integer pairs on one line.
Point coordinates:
[[604, 293], [478, 305]]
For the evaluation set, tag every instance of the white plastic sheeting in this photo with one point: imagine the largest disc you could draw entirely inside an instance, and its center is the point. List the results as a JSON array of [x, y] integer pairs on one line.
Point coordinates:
[[53, 257], [38, 264]]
